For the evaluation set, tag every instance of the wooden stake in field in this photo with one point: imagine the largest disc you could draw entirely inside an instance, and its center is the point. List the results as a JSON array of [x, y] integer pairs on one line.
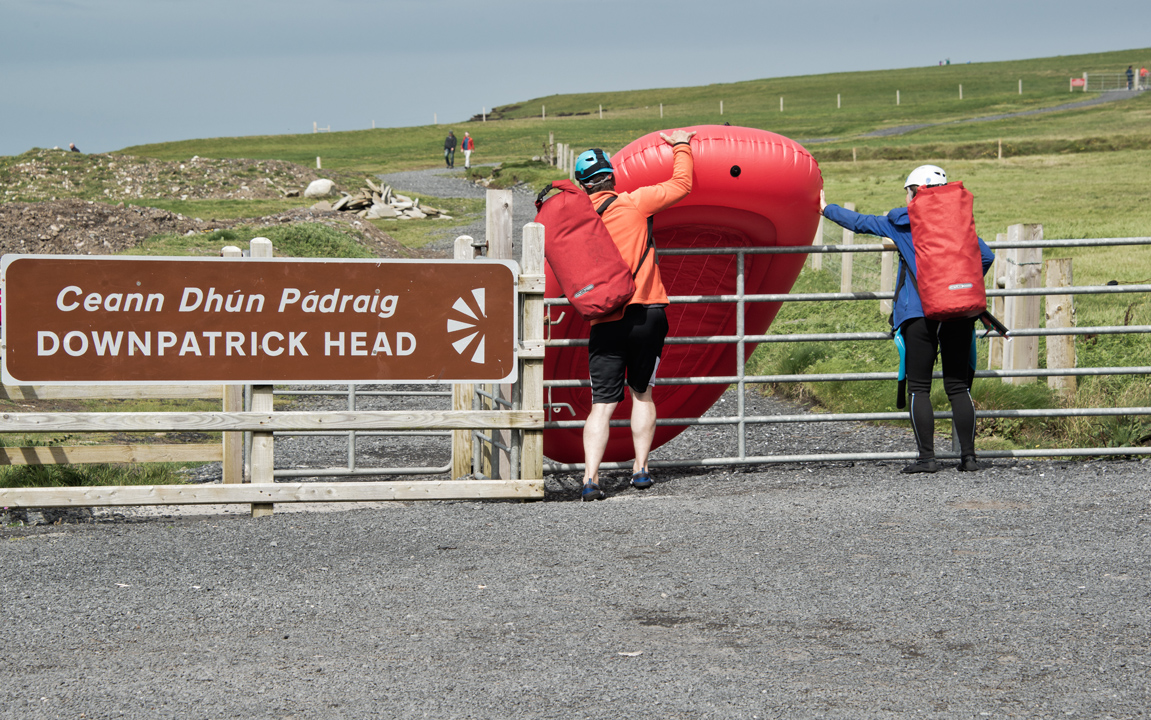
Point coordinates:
[[661, 111], [781, 103], [601, 111], [544, 112], [1024, 267], [887, 275], [1000, 148], [998, 282], [896, 97], [1020, 87], [852, 154], [817, 258], [847, 258], [721, 107], [838, 101], [960, 91], [318, 163], [1060, 313]]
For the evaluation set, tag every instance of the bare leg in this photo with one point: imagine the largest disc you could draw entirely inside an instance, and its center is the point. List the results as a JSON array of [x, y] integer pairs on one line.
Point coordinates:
[[643, 416], [595, 434]]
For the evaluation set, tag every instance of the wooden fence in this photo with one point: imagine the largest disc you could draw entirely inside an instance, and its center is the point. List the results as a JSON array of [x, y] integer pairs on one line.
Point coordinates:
[[135, 453], [262, 492]]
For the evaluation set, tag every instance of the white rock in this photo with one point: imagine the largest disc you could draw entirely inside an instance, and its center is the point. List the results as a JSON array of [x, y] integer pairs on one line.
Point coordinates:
[[319, 188]]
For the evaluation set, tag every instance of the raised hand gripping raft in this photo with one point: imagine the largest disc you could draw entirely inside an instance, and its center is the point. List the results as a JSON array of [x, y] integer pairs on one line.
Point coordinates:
[[749, 188]]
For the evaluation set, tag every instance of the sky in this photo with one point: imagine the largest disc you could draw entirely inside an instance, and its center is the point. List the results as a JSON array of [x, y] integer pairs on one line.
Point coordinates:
[[107, 74]]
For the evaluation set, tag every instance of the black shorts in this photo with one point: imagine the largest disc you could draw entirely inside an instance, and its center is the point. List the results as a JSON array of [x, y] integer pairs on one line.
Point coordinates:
[[631, 347]]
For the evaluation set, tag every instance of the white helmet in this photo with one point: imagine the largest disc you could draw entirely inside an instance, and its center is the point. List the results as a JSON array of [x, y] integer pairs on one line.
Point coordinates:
[[926, 175]]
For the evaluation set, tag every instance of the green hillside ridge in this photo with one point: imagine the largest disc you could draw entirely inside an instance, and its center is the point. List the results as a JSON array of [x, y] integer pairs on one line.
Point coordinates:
[[927, 95]]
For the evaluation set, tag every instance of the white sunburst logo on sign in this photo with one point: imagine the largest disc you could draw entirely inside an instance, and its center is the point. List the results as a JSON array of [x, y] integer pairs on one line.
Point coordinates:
[[463, 330]]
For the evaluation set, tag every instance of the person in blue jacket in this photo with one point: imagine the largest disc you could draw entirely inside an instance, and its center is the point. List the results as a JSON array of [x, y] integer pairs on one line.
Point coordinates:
[[924, 339]]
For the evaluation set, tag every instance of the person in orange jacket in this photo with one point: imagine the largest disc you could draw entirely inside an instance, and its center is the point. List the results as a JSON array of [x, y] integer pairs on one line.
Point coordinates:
[[627, 345]]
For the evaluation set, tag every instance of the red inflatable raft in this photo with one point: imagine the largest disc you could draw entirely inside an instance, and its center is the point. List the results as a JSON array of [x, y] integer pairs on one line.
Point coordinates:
[[749, 188]]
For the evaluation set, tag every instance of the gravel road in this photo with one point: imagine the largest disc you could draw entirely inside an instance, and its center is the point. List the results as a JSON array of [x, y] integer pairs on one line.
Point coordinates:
[[823, 591]]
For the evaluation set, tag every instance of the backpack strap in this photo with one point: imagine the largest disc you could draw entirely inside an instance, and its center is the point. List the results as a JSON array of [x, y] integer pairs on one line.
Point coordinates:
[[543, 194], [650, 235]]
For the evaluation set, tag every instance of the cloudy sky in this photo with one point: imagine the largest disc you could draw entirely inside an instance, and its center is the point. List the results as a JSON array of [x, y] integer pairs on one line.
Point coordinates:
[[107, 74]]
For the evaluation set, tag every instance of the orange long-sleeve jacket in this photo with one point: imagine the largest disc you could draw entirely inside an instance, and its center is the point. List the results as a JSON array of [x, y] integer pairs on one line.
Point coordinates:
[[626, 220]]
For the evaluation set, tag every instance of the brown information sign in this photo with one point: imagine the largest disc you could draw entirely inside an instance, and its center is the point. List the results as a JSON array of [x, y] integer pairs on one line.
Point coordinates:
[[123, 320]]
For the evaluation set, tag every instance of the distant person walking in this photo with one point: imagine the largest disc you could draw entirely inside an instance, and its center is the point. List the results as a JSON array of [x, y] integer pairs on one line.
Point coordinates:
[[1130, 77], [467, 145], [450, 149], [73, 148]]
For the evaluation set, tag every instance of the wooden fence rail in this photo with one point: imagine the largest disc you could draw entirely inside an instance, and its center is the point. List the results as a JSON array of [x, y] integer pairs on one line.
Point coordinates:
[[89, 454], [267, 422]]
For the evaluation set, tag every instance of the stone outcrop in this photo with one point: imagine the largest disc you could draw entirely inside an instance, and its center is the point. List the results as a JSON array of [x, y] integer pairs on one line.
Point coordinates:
[[373, 202]]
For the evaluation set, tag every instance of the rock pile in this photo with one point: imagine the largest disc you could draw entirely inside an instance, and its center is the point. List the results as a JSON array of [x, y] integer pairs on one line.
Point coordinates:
[[374, 202]]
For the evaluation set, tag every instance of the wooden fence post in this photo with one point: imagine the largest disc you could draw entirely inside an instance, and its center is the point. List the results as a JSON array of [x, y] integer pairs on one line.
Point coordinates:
[[1024, 267], [263, 458], [1060, 314], [499, 238], [233, 463], [846, 258], [998, 282], [817, 258], [532, 369], [561, 156], [887, 276], [462, 393]]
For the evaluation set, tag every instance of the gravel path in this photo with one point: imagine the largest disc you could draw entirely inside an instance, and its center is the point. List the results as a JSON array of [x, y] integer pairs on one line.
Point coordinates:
[[441, 182], [831, 591]]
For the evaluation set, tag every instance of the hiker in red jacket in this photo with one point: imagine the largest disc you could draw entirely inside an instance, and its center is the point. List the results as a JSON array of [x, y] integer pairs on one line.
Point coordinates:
[[467, 145], [628, 343]]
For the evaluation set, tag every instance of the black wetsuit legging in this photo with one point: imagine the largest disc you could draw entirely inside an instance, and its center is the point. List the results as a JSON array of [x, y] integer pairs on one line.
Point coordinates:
[[952, 338]]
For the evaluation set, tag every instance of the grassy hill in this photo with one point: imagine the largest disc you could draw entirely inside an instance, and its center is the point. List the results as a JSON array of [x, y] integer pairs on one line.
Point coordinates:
[[867, 99]]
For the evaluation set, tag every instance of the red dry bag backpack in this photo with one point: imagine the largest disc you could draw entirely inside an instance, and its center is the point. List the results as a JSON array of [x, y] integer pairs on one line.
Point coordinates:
[[580, 252], [949, 267]]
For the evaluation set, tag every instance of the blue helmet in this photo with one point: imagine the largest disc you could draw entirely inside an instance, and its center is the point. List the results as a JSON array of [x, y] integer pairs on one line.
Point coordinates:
[[590, 163]]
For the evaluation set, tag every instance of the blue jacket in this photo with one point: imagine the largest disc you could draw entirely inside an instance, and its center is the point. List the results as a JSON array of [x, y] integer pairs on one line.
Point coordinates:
[[897, 226]]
